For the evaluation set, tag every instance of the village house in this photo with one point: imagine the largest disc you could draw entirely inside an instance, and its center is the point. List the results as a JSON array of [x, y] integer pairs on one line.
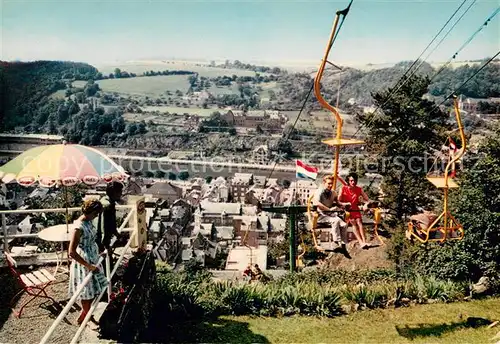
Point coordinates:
[[252, 119], [471, 105], [252, 229], [172, 223], [164, 190], [216, 191], [261, 155], [219, 214], [277, 232], [300, 190], [240, 184], [198, 97]]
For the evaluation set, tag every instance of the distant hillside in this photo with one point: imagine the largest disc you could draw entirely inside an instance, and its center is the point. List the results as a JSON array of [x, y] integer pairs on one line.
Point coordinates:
[[28, 85], [359, 85], [35, 96], [28, 103]]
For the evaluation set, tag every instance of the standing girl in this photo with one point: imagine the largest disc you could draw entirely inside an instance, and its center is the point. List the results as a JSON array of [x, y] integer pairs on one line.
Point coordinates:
[[84, 251]]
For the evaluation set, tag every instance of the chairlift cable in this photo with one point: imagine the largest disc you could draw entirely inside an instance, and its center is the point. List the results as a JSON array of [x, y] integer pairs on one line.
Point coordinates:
[[428, 55], [343, 13], [483, 25], [416, 60], [437, 106]]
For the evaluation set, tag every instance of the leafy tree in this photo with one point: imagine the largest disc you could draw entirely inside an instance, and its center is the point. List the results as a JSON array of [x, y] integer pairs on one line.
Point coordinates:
[[132, 129], [91, 88], [148, 174], [159, 174], [208, 179], [141, 127], [172, 176], [400, 137], [183, 175]]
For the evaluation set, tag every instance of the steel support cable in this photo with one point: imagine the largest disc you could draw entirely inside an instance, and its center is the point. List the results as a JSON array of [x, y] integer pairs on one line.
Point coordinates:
[[483, 25], [342, 13], [455, 91], [416, 60], [429, 54], [453, 57]]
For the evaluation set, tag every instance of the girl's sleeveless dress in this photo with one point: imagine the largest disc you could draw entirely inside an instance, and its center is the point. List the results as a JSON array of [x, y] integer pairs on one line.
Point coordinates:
[[89, 251], [352, 196]]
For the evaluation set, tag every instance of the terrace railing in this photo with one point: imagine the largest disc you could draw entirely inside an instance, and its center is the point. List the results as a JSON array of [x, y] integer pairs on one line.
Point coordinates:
[[135, 217]]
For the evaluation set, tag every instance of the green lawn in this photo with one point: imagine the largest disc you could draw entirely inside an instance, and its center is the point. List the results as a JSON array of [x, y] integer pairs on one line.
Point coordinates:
[[436, 323]]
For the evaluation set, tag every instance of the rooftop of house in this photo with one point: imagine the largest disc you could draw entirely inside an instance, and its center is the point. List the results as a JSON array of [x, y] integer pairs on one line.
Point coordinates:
[[163, 188], [303, 184], [239, 257], [208, 207], [242, 178], [205, 229], [155, 226], [249, 210], [278, 225], [225, 232]]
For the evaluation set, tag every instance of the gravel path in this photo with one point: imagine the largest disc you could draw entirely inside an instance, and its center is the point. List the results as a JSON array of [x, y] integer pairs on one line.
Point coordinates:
[[38, 316]]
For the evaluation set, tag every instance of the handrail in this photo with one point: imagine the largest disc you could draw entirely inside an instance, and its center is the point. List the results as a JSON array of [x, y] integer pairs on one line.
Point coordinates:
[[82, 285], [69, 304], [96, 301], [55, 210], [4, 213]]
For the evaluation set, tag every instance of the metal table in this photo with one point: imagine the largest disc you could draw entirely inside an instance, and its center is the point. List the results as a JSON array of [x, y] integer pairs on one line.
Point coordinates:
[[55, 234]]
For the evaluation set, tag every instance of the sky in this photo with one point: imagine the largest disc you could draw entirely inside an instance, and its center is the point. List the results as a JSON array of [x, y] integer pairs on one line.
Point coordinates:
[[287, 31]]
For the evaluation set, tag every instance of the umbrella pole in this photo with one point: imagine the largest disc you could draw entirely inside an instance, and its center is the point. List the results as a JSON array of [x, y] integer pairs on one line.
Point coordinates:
[[67, 211]]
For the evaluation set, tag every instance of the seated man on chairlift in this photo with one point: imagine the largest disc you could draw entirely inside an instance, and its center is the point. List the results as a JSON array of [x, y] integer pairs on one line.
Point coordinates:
[[326, 201]]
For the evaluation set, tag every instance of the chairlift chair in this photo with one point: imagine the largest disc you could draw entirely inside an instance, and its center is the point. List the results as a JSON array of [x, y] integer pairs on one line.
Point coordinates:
[[445, 226]]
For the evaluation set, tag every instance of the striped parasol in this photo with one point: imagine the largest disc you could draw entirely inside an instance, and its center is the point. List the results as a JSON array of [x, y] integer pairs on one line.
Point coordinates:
[[63, 164]]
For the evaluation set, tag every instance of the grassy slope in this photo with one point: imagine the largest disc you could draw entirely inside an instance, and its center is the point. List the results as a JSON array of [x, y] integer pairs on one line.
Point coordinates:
[[417, 324]]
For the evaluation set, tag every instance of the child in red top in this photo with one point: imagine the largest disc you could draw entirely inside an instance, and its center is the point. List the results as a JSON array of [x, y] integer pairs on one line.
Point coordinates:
[[351, 193]]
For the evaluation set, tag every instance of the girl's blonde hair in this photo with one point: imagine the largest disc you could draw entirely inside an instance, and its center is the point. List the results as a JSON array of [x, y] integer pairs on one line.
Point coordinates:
[[91, 205]]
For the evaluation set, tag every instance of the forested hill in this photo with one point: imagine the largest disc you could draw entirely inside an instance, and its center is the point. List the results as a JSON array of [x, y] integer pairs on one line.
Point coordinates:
[[26, 87], [29, 102], [359, 85], [35, 95]]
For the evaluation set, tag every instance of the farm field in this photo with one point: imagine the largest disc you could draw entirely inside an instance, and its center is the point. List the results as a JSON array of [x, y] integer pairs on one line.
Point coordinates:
[[157, 85], [61, 94], [147, 85], [181, 110], [268, 86], [140, 67], [222, 90], [320, 121], [157, 119]]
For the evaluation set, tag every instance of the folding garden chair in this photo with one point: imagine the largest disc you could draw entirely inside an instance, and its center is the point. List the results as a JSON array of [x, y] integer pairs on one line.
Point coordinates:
[[33, 283]]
